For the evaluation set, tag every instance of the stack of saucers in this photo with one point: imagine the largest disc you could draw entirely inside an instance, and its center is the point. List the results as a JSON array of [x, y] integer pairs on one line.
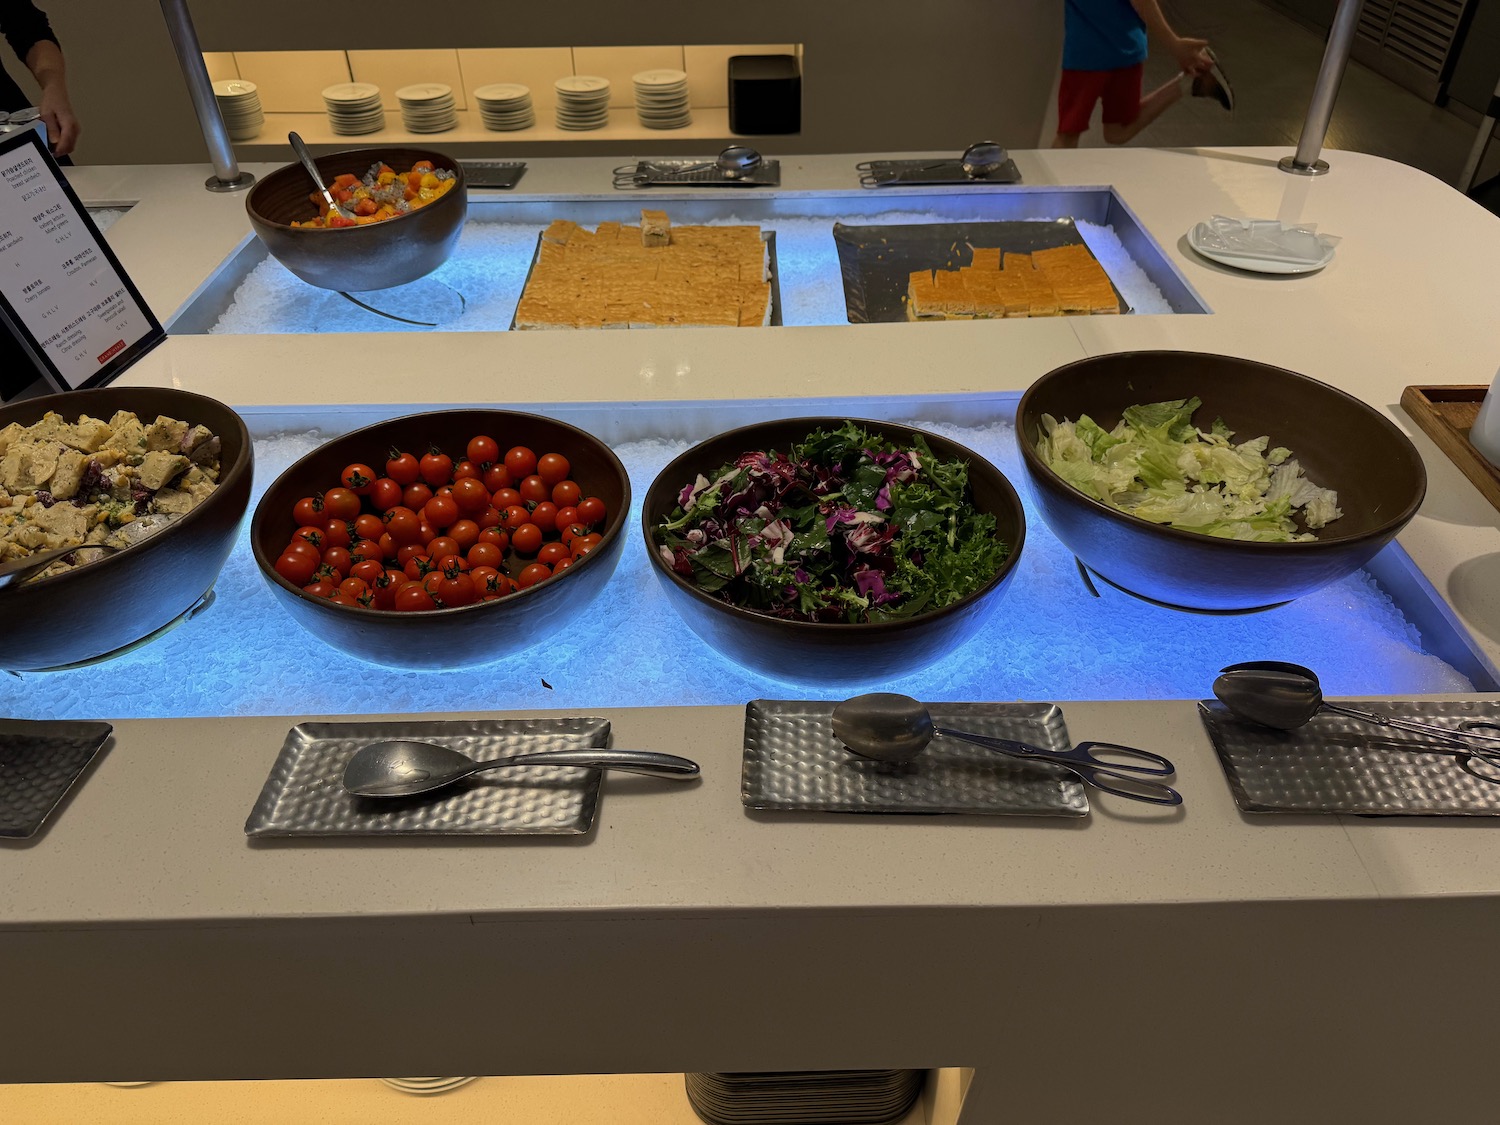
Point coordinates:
[[239, 105], [428, 107], [582, 102], [505, 107], [661, 99], [852, 1097], [426, 1085], [354, 108]]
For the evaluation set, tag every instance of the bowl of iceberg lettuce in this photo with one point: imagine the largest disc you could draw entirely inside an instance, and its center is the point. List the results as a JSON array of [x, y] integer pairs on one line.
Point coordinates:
[[1212, 483]]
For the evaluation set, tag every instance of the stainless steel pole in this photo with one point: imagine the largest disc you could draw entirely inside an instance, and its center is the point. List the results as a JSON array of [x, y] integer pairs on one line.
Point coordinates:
[[1325, 92], [227, 175], [1481, 142]]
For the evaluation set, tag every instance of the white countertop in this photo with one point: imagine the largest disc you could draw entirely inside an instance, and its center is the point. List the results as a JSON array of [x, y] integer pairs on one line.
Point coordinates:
[[153, 839]]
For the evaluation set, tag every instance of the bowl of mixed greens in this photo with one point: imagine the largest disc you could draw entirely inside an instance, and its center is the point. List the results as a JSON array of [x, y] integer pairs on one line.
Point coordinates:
[[1211, 483], [829, 550]]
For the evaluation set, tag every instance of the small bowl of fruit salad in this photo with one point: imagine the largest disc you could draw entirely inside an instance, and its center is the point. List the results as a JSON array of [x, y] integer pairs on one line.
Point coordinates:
[[446, 539]]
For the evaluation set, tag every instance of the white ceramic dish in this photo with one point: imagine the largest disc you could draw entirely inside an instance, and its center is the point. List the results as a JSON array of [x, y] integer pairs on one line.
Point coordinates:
[[1195, 239]]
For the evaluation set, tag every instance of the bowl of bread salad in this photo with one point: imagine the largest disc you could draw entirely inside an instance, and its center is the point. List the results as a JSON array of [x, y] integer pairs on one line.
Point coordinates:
[[147, 486]]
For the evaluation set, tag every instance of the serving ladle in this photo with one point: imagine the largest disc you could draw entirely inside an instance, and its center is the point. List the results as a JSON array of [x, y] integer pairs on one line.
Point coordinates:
[[889, 727], [405, 767], [312, 170], [1287, 696]]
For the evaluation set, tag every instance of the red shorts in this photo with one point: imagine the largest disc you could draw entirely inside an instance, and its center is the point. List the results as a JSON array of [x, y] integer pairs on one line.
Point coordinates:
[[1120, 90]]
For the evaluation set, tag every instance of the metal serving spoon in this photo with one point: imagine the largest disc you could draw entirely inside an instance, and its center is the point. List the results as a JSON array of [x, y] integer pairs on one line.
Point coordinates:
[[896, 728], [1287, 696], [402, 767], [17, 571], [312, 170]]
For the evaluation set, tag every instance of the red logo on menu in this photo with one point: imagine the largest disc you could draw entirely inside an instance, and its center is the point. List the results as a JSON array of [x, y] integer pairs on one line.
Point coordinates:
[[117, 346]]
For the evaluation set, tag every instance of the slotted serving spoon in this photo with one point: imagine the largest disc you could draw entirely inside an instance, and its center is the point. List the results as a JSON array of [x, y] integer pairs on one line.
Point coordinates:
[[312, 170]]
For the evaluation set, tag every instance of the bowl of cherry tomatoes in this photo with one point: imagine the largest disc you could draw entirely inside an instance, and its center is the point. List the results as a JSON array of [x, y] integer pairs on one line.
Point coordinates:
[[443, 540]]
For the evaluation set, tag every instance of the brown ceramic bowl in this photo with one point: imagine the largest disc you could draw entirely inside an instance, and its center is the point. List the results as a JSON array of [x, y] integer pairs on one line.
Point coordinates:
[[825, 652], [455, 637], [1342, 444], [114, 601], [357, 259]]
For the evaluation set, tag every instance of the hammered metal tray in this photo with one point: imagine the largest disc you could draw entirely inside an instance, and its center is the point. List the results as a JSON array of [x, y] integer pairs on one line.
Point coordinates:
[[39, 763], [498, 174], [693, 173], [304, 795], [877, 261], [793, 763], [1336, 764], [914, 173]]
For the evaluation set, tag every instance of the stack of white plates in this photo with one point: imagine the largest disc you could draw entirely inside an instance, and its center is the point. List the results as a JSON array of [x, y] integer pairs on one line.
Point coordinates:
[[426, 1085], [239, 105], [354, 108], [582, 102], [505, 106], [427, 107], [661, 99]]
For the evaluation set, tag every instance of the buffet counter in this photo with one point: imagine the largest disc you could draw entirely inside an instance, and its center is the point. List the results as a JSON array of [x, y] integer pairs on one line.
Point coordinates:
[[1155, 966]]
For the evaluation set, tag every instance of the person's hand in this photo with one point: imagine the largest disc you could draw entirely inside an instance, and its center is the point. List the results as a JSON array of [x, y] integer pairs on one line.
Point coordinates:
[[1191, 55], [62, 126]]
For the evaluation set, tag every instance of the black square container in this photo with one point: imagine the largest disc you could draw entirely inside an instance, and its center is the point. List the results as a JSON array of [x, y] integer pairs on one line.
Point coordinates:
[[765, 94]]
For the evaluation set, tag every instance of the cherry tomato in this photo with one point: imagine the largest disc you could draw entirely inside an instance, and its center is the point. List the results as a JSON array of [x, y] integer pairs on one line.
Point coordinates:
[[591, 510], [431, 580], [573, 531], [356, 588], [320, 589], [497, 477], [384, 493], [584, 544], [412, 597], [484, 579], [483, 450], [526, 539], [338, 597], [533, 489], [367, 525], [513, 517], [388, 546], [426, 530], [520, 461], [365, 549], [304, 548], [358, 478], [410, 551], [339, 558], [403, 525], [296, 569], [465, 533], [553, 468], [442, 548], [566, 515], [457, 588], [340, 504], [533, 574], [470, 495], [552, 553], [313, 535], [496, 535], [544, 515], [490, 517], [414, 496], [332, 575], [384, 589], [367, 570], [566, 493], [337, 533], [504, 497], [467, 470], [436, 468], [308, 512], [402, 468], [417, 566], [484, 554], [440, 511], [562, 564]]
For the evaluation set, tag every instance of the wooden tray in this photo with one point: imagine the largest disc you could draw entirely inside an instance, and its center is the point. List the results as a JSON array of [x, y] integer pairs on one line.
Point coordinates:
[[1446, 415]]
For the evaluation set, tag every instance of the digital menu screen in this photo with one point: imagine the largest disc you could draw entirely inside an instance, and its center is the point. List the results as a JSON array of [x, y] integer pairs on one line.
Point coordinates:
[[64, 294]]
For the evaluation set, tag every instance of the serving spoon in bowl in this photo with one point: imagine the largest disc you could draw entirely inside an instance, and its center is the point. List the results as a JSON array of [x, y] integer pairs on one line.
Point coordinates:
[[889, 727], [1286, 696], [405, 767], [312, 170]]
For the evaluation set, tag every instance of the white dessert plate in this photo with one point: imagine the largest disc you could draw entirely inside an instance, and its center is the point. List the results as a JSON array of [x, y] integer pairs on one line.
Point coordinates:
[[1283, 266]]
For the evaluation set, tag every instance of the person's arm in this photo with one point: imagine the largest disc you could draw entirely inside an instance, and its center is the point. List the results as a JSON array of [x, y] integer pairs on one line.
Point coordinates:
[[45, 61], [1188, 52]]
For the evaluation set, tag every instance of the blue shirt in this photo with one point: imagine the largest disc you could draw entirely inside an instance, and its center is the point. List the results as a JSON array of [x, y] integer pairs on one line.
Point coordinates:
[[1102, 35]]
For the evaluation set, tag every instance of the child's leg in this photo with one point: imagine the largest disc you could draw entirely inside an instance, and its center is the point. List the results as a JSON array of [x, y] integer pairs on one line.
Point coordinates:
[[1077, 94], [1147, 109]]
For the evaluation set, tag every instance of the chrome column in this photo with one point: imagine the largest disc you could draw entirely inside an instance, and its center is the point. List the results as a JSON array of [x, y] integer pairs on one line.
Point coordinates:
[[227, 175], [1325, 91]]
